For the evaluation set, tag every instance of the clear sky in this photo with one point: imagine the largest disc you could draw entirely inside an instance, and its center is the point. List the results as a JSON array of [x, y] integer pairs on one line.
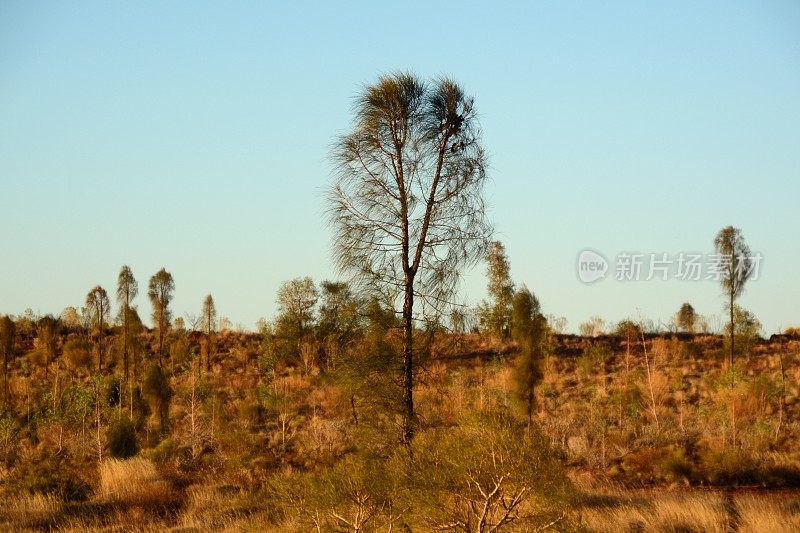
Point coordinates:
[[195, 136]]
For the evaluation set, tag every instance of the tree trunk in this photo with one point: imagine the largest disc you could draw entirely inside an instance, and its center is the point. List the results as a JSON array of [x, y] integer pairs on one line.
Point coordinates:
[[161, 339], [125, 338], [408, 362], [730, 356]]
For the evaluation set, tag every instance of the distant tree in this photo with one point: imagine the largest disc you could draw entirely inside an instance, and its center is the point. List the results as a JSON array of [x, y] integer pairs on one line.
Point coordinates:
[[687, 318], [496, 316], [7, 331], [557, 324], [630, 331], [528, 329], [458, 320], [296, 301], [594, 327], [127, 289], [208, 321], [340, 317], [46, 342], [734, 263], [406, 203], [160, 293], [100, 308], [71, 319]]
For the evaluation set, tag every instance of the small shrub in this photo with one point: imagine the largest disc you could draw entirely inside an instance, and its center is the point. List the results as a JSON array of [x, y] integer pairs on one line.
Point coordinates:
[[122, 439]]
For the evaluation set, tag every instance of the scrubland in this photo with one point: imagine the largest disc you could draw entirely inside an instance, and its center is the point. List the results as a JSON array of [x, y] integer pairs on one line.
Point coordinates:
[[257, 438]]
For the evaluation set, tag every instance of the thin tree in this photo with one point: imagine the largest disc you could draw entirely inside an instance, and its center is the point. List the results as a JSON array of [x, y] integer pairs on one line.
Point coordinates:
[[99, 307], [209, 319], [160, 293], [497, 316], [7, 331], [734, 264], [528, 329], [127, 289], [406, 203]]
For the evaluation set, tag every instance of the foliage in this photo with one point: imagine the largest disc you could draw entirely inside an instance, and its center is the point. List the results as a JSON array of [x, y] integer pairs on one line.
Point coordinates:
[[121, 438], [78, 353]]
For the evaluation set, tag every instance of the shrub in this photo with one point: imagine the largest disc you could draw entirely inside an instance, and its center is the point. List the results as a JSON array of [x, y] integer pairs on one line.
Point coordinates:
[[51, 476], [156, 387], [491, 463], [729, 467], [122, 439]]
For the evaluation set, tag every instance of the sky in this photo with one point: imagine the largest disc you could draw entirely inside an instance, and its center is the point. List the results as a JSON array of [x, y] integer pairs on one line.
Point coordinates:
[[196, 136]]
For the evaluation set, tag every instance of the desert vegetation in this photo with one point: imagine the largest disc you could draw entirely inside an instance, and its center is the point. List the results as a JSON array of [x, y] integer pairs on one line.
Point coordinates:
[[300, 426], [376, 402]]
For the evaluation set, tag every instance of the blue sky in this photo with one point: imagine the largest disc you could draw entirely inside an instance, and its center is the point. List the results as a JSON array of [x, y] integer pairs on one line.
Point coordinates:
[[195, 136]]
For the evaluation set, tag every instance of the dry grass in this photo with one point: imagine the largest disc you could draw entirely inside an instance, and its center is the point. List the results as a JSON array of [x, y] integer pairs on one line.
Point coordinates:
[[695, 511], [36, 511], [133, 481], [768, 515]]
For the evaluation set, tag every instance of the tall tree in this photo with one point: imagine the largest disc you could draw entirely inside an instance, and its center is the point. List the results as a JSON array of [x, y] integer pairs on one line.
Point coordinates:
[[160, 293], [734, 264], [127, 289], [406, 203], [208, 320], [7, 331], [687, 318], [99, 307], [497, 315]]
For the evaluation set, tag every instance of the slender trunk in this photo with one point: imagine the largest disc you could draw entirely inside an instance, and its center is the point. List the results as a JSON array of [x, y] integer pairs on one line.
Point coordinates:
[[732, 373], [125, 312], [192, 415], [730, 356], [208, 347], [408, 361], [161, 338]]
